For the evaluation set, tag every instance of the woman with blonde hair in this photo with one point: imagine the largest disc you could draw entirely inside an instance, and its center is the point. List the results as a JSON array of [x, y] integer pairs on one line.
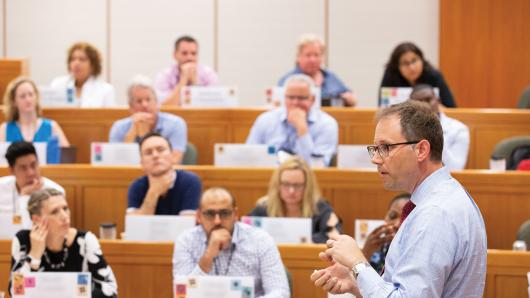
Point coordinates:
[[53, 245], [23, 114], [83, 83], [294, 192]]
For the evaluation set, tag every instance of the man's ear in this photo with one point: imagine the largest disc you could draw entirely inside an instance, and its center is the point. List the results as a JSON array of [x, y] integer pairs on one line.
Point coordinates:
[[198, 216], [423, 149]]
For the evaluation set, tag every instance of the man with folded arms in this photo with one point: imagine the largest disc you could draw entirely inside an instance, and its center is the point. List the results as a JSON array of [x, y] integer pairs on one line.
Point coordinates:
[[220, 245], [163, 190], [440, 247], [25, 179], [146, 117], [297, 128]]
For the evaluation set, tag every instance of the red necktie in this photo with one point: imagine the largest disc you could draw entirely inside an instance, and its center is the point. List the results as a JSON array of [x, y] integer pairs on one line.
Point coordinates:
[[407, 209]]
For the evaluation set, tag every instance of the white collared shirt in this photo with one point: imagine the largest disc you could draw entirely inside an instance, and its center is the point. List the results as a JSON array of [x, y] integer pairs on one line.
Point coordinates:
[[95, 92]]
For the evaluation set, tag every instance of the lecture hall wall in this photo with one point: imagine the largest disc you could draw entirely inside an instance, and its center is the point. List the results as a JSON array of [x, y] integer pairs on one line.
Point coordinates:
[[251, 43]]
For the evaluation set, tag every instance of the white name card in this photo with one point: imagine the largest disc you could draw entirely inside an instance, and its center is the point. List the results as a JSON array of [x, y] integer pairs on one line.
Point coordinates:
[[52, 285], [114, 154], [354, 157], [283, 229], [244, 155], [57, 97], [40, 147], [213, 286], [347, 295], [211, 96], [394, 95], [363, 228], [276, 96], [156, 227]]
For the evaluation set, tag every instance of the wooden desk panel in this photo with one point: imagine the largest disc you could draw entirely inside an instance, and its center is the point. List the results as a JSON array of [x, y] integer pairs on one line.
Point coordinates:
[[207, 126], [99, 194], [144, 269], [10, 69]]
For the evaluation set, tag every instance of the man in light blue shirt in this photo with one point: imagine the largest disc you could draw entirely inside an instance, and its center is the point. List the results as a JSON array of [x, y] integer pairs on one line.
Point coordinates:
[[440, 249], [146, 117], [297, 127]]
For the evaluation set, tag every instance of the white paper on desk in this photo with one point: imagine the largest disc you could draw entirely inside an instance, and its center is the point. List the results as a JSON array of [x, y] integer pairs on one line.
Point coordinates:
[[283, 229], [57, 97], [244, 155], [213, 286], [40, 147], [210, 96], [347, 295], [156, 227], [363, 228], [52, 285], [354, 157], [114, 154], [276, 97], [8, 228]]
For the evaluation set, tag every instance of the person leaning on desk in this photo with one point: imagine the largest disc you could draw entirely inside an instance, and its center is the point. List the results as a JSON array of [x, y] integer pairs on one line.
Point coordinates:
[[52, 245]]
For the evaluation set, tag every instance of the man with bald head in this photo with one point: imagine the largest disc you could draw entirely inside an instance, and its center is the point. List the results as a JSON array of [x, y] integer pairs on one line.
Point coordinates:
[[220, 245], [456, 133], [297, 127]]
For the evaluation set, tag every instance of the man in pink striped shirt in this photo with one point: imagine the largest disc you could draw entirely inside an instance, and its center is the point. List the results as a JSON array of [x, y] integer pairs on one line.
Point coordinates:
[[185, 72]]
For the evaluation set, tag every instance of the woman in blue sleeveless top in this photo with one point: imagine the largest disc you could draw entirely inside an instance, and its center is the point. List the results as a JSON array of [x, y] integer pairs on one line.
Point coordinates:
[[23, 116]]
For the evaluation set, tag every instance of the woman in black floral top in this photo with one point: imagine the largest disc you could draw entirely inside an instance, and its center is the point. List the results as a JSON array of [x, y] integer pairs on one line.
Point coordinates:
[[52, 245]]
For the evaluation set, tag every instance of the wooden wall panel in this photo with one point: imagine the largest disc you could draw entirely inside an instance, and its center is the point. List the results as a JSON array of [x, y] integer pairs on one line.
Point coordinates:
[[144, 269], [484, 48], [100, 194], [10, 69], [207, 126]]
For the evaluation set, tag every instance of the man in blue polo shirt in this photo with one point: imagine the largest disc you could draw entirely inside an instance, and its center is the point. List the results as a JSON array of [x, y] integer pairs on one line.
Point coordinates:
[[146, 117], [162, 190]]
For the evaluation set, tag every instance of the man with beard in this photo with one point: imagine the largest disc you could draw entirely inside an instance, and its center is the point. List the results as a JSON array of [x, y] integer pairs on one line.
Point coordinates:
[[162, 190], [220, 245]]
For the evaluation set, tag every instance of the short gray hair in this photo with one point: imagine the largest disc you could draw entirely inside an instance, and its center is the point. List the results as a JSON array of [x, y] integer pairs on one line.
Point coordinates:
[[300, 78], [308, 38], [140, 81]]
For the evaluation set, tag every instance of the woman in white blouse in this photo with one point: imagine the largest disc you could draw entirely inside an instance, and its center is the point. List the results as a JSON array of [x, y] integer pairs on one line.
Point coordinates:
[[83, 82]]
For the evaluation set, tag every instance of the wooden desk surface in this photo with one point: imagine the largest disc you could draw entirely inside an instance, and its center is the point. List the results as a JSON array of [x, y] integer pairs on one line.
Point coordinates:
[[207, 126], [144, 269], [99, 194]]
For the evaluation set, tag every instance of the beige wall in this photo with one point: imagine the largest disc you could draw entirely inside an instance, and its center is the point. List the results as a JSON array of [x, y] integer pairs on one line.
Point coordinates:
[[250, 42]]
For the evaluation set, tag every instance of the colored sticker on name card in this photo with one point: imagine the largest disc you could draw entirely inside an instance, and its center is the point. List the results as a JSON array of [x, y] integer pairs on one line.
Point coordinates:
[[246, 292], [18, 284], [180, 290], [29, 282], [236, 285], [192, 282], [82, 279], [82, 290], [17, 219]]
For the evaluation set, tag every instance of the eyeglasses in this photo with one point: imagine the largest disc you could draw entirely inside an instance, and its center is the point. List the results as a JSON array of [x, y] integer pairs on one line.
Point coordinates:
[[223, 213], [295, 97], [294, 186], [408, 63], [384, 149]]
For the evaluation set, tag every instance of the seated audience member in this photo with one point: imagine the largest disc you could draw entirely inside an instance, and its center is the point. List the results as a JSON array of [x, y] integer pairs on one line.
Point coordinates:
[[378, 241], [23, 114], [185, 72], [52, 245], [25, 179], [456, 133], [293, 192], [162, 190], [146, 117], [408, 68], [220, 245], [297, 128], [308, 61], [84, 67]]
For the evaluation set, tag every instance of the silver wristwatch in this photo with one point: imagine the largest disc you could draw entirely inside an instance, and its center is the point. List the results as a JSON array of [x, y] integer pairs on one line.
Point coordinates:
[[358, 267]]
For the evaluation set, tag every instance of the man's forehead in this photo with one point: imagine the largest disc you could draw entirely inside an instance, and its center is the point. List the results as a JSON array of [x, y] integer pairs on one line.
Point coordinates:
[[297, 87], [215, 201], [26, 159], [388, 130], [154, 141]]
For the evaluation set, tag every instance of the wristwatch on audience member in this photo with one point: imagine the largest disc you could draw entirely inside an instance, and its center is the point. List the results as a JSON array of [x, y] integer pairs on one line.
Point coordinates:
[[34, 262], [358, 267]]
